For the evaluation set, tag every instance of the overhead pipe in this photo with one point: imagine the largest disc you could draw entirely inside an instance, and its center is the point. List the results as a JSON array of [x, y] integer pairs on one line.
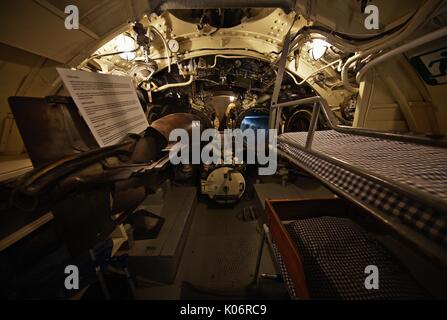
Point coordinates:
[[164, 5], [174, 85], [420, 17], [165, 43], [401, 49]]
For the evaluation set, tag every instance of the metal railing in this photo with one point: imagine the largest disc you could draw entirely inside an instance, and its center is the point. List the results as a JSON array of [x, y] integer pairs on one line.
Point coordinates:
[[320, 105]]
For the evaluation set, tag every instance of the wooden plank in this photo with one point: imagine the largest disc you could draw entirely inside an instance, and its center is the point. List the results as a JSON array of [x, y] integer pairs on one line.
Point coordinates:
[[24, 231], [12, 167], [309, 207], [291, 258]]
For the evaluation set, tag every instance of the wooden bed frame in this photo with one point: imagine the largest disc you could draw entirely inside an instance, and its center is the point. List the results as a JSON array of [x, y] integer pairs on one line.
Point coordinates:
[[278, 211]]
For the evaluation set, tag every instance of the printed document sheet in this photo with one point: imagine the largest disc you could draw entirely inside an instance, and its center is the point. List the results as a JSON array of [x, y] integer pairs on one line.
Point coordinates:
[[108, 103]]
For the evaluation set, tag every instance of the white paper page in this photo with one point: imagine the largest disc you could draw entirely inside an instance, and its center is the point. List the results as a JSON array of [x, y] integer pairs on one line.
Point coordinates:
[[108, 103]]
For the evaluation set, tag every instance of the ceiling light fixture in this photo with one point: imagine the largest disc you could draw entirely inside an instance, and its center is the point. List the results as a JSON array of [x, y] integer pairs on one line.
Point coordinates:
[[318, 48], [125, 44]]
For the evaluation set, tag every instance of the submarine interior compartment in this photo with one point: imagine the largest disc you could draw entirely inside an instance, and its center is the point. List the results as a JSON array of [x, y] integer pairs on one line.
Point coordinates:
[[350, 110]]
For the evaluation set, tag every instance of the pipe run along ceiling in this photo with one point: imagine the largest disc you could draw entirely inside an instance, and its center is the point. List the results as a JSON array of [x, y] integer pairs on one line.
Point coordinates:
[[37, 26]]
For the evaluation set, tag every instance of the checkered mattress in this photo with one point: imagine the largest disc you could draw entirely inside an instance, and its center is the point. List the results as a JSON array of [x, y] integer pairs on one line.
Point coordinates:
[[421, 168], [335, 253]]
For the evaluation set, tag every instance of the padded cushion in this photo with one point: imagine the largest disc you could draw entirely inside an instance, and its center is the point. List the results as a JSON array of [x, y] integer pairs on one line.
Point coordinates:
[[335, 254], [420, 168]]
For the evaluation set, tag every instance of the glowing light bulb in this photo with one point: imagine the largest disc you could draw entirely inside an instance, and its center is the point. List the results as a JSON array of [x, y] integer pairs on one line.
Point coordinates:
[[125, 43], [318, 48], [232, 98]]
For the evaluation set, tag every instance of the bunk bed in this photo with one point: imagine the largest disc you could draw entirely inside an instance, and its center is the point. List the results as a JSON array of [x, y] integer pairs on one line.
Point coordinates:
[[323, 253], [400, 181]]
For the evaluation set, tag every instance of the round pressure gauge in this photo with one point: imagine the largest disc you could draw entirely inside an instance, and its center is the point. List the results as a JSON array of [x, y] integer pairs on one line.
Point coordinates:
[[173, 46]]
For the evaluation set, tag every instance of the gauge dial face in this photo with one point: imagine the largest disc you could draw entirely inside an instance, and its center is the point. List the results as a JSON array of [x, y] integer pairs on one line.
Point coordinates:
[[173, 46]]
